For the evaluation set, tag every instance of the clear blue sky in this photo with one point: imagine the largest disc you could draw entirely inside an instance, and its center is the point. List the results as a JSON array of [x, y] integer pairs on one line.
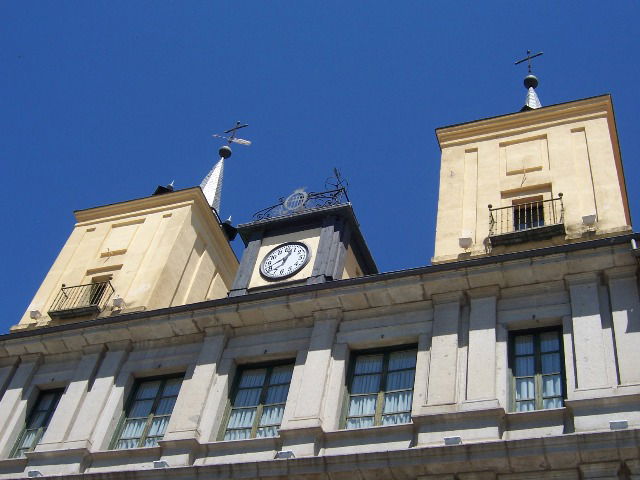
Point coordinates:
[[102, 101]]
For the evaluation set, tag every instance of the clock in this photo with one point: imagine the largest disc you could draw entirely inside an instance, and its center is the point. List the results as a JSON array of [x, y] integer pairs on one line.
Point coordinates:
[[284, 261]]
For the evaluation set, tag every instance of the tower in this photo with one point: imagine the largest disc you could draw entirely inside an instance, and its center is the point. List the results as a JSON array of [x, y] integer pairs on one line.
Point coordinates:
[[542, 176], [307, 238], [154, 252]]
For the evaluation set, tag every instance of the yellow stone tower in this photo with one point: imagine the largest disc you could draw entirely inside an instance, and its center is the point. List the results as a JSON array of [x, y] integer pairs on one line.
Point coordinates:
[[164, 250], [542, 176]]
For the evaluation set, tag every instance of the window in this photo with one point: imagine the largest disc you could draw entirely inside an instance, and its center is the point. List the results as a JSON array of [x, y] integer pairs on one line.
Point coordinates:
[[258, 402], [37, 422], [536, 365], [381, 389], [528, 215], [148, 413]]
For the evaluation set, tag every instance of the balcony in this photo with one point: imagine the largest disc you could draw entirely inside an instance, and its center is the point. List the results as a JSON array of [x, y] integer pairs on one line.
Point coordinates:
[[81, 300], [526, 222]]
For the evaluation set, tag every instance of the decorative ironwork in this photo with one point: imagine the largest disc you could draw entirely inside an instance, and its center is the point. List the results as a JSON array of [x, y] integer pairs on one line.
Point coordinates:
[[526, 221], [81, 300], [300, 200]]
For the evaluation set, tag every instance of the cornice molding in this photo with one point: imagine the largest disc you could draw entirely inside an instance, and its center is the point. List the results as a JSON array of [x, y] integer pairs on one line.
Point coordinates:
[[478, 130]]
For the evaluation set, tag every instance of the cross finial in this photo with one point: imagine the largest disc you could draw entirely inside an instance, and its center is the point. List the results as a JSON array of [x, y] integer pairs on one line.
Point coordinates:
[[234, 130], [528, 58]]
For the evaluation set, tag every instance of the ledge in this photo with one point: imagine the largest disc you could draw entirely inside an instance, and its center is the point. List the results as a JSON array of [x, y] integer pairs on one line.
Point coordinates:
[[243, 446], [56, 453], [541, 455], [538, 423], [8, 465], [455, 412], [129, 453], [597, 395]]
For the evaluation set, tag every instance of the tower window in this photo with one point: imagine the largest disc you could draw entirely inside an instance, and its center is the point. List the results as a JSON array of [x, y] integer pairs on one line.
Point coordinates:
[[380, 388], [258, 402], [148, 413], [37, 422], [536, 366], [528, 215]]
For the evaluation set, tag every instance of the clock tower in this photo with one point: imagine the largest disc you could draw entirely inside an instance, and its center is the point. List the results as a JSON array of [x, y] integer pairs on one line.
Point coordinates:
[[307, 238]]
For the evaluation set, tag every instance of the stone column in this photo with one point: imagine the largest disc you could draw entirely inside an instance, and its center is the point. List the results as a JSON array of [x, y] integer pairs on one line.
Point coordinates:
[[74, 395], [13, 406], [185, 419], [88, 415], [481, 372], [588, 340], [625, 310], [444, 349]]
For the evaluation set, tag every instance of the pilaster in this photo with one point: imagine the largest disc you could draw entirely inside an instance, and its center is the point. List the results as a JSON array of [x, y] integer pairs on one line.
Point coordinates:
[[444, 349], [70, 402], [13, 406], [588, 340], [245, 270], [306, 419], [187, 412], [481, 374], [87, 416], [625, 311]]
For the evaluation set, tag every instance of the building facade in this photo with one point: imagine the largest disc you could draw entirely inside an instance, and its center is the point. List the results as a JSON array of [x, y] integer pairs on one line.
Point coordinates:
[[150, 352]]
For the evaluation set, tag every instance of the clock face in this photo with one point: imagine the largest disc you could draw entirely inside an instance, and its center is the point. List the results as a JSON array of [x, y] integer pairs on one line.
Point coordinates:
[[284, 261]]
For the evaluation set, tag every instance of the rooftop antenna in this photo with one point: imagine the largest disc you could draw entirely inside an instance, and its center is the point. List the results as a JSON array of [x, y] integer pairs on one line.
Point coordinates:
[[212, 184], [530, 83]]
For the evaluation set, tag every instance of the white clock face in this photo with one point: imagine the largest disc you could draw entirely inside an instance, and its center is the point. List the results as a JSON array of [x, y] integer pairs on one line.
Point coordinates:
[[284, 261]]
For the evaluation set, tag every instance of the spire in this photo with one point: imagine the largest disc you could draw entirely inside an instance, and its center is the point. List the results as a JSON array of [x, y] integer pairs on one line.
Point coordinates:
[[212, 184], [531, 101]]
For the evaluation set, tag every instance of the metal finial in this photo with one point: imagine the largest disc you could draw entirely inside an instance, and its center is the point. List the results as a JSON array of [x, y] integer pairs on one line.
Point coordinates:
[[532, 101], [528, 59]]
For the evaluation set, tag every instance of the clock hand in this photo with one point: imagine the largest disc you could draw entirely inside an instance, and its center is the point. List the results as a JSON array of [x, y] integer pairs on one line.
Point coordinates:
[[281, 262], [273, 265]]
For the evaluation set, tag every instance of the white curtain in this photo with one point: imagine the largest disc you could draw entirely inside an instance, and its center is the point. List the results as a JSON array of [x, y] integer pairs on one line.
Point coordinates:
[[242, 418], [368, 364], [272, 415], [398, 402], [252, 378], [362, 405]]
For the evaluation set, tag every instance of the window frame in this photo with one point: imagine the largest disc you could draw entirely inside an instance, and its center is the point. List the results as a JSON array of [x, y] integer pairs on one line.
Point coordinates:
[[40, 431], [132, 394], [240, 369], [538, 395], [529, 204], [385, 351]]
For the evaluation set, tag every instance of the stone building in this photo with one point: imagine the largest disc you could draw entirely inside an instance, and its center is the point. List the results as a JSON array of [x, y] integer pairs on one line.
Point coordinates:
[[150, 352]]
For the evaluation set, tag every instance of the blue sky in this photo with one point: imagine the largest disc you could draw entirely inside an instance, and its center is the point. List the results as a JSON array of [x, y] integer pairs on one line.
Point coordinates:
[[102, 101]]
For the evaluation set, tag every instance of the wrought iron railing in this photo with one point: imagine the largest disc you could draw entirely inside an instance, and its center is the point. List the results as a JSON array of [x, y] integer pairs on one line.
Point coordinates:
[[526, 217], [81, 300], [300, 200]]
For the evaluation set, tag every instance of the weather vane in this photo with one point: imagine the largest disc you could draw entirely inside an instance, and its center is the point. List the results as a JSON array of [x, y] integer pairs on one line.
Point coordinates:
[[232, 137], [528, 58]]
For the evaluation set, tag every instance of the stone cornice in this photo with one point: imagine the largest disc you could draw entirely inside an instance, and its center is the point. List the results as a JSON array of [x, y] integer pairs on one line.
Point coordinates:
[[515, 123], [169, 201]]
